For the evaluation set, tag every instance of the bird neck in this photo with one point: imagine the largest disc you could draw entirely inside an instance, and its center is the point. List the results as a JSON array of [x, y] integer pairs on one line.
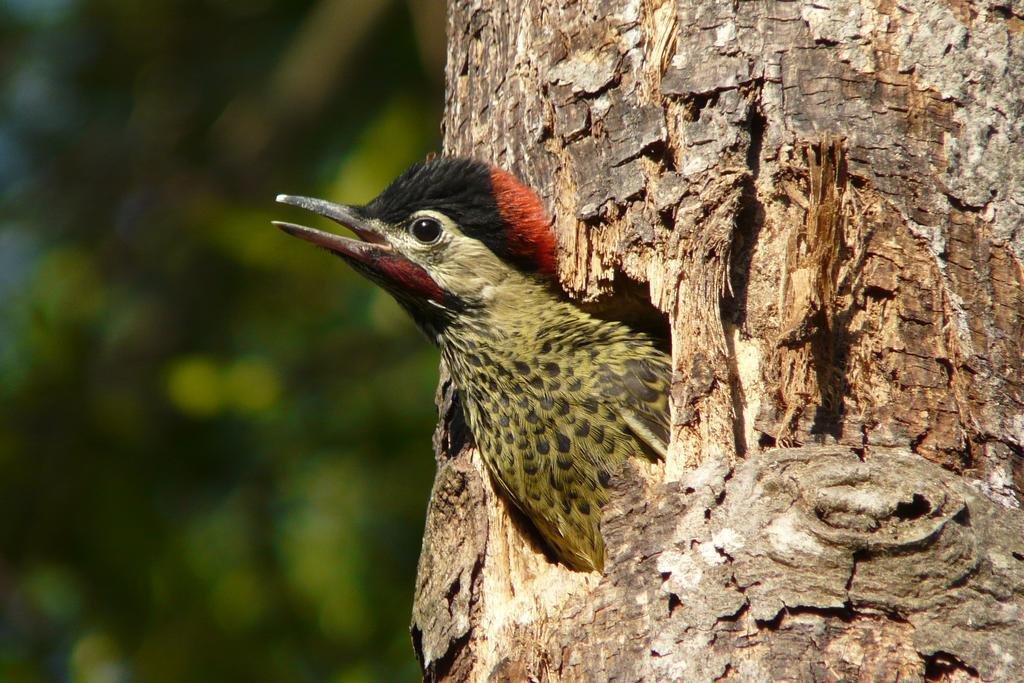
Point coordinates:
[[522, 320]]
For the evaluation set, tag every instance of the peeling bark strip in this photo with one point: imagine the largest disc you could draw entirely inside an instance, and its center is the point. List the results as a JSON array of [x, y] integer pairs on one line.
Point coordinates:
[[827, 201]]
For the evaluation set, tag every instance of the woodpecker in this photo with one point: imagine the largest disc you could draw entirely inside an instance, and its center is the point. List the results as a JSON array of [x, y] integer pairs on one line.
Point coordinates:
[[555, 398]]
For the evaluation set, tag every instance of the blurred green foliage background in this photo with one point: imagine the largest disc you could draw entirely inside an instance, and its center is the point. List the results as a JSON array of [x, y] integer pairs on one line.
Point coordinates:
[[215, 447]]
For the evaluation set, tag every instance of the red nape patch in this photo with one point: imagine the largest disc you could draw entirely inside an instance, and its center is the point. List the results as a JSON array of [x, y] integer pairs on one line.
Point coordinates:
[[530, 232]]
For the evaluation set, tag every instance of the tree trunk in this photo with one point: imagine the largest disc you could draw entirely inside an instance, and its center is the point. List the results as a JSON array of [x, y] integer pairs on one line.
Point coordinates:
[[825, 199]]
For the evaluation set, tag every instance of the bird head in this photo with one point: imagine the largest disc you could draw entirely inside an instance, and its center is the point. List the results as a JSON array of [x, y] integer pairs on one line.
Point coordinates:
[[443, 237]]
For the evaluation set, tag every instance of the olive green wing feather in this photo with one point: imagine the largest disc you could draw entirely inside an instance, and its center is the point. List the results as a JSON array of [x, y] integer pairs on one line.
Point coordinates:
[[645, 409]]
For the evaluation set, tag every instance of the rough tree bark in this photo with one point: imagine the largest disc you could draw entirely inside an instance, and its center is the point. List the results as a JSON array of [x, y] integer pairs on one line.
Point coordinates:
[[825, 199]]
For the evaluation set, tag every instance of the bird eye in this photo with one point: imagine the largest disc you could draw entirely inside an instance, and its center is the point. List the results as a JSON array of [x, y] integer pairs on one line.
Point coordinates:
[[426, 230]]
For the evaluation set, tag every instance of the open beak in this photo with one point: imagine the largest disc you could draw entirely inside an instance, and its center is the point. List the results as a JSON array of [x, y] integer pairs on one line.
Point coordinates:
[[371, 253], [370, 246]]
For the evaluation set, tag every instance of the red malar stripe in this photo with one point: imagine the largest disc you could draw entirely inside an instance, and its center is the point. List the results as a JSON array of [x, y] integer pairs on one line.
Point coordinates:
[[410, 277]]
